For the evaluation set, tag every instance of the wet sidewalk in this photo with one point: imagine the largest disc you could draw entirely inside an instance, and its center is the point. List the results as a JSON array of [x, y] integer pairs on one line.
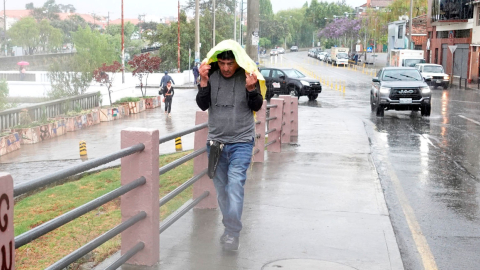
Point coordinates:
[[316, 205]]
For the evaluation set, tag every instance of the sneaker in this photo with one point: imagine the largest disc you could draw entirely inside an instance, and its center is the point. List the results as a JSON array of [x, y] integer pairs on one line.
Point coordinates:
[[223, 238], [231, 243]]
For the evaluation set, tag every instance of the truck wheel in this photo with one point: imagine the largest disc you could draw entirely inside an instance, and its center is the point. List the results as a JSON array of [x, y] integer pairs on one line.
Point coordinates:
[[372, 105], [426, 109], [445, 86], [380, 111], [312, 97]]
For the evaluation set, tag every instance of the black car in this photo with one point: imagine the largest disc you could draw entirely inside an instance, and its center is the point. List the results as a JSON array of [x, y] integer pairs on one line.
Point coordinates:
[[401, 89], [289, 81], [294, 48]]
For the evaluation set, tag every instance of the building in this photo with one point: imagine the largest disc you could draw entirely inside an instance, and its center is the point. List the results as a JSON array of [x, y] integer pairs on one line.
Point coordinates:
[[449, 26], [475, 46]]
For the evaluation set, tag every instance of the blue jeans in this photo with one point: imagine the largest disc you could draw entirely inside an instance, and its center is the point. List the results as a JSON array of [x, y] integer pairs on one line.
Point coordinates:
[[229, 180]]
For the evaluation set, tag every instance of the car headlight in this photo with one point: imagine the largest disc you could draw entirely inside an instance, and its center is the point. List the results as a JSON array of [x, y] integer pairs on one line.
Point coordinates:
[[446, 77], [425, 90], [384, 90], [305, 83]]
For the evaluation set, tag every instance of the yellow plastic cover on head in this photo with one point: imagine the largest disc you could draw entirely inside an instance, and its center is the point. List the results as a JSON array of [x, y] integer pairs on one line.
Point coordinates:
[[241, 57]]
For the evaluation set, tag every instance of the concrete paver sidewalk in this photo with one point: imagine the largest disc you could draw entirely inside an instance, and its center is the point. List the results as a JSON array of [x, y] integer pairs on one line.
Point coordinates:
[[320, 199]]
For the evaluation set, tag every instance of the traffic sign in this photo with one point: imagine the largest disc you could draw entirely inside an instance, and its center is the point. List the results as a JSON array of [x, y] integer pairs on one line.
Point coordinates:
[[369, 49], [452, 48]]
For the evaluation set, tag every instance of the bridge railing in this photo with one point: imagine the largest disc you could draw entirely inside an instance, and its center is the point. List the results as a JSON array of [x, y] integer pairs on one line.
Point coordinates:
[[50, 109], [139, 191]]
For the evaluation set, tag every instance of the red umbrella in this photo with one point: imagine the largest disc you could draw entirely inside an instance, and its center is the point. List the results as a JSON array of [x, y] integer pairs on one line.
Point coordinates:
[[23, 63]]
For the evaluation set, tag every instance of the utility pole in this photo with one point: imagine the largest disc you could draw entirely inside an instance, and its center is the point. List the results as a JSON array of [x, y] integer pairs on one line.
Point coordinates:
[[253, 14], [5, 27], [123, 49], [410, 25], [178, 64], [241, 23], [213, 30], [235, 21], [197, 32]]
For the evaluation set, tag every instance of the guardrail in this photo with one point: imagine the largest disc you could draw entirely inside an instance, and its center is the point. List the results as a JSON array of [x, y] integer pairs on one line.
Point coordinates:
[[50, 109], [139, 191]]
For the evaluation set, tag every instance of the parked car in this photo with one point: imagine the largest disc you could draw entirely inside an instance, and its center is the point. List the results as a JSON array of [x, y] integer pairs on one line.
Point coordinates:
[[321, 55], [400, 89], [294, 48], [288, 81], [281, 50], [273, 52], [311, 52], [435, 73], [328, 58]]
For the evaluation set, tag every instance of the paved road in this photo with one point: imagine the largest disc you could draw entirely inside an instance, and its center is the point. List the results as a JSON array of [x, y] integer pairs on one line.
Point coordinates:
[[429, 167]]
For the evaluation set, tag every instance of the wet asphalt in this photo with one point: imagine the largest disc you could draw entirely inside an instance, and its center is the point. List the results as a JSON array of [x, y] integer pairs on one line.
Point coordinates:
[[429, 167]]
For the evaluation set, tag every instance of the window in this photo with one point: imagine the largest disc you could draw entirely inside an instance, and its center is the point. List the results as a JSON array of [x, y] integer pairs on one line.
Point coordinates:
[[277, 73], [265, 73], [401, 75], [462, 33], [400, 31], [478, 15], [433, 69], [442, 34], [444, 10]]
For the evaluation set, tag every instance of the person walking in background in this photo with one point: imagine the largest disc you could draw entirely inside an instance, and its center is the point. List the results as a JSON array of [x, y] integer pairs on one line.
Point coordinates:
[[230, 95], [195, 74], [168, 93], [22, 73], [166, 78]]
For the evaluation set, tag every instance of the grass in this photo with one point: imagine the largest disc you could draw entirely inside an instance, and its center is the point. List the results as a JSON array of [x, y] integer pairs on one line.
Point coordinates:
[[35, 210]]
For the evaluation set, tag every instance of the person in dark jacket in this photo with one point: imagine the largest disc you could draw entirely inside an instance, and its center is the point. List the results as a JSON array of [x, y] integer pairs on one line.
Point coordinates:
[[195, 73], [166, 78], [231, 96], [168, 93]]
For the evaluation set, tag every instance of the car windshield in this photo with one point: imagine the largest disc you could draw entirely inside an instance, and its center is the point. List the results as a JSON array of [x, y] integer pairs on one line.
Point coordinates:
[[342, 56], [433, 69], [413, 62], [401, 75], [293, 73]]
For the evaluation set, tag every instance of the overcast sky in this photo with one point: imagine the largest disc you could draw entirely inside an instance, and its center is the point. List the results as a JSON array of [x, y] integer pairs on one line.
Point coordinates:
[[133, 8]]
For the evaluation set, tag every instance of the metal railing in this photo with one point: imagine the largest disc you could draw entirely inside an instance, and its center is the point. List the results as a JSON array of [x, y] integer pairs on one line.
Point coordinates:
[[50, 109], [55, 223]]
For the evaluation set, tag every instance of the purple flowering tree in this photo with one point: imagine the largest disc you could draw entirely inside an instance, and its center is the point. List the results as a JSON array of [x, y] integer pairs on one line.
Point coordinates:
[[343, 30]]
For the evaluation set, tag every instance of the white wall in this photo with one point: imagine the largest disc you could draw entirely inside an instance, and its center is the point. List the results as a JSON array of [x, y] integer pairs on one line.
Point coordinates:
[[42, 86]]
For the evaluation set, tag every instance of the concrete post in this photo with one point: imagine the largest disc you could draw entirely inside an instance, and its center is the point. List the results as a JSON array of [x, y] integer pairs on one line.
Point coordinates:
[[294, 119], [144, 198], [7, 236], [275, 124], [200, 163], [260, 131], [287, 117]]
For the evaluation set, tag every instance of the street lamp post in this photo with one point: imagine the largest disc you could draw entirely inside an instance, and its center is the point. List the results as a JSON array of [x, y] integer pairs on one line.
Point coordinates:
[[5, 27]]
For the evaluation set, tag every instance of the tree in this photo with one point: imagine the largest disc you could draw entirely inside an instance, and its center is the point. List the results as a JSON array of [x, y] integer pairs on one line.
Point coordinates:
[[66, 80], [342, 30], [49, 36], [25, 33], [101, 75], [29, 6], [3, 95], [142, 66], [69, 25]]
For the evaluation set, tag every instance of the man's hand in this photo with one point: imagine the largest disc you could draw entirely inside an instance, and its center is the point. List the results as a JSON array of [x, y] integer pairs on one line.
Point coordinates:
[[203, 71], [251, 81]]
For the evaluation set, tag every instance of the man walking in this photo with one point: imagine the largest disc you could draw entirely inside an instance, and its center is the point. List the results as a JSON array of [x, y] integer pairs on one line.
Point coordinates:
[[195, 73], [231, 96], [166, 78]]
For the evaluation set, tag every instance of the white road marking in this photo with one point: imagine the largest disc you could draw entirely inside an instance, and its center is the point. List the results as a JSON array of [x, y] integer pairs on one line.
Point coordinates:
[[466, 118]]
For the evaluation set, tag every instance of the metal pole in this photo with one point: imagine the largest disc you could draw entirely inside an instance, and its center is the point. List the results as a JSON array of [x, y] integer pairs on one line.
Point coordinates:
[[123, 48], [253, 14], [235, 21], [241, 24], [178, 64], [410, 25], [5, 27], [213, 28], [197, 32]]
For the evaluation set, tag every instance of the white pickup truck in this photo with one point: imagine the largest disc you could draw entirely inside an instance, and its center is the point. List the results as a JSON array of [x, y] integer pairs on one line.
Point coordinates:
[[436, 73]]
